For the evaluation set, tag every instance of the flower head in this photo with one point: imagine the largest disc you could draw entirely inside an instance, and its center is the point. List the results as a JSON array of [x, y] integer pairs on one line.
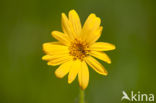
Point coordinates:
[[76, 48]]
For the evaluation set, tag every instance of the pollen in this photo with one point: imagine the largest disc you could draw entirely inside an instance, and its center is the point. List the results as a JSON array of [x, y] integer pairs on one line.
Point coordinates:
[[78, 49]]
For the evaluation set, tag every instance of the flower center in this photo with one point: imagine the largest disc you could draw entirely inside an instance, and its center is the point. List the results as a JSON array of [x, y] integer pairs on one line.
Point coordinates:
[[78, 49]]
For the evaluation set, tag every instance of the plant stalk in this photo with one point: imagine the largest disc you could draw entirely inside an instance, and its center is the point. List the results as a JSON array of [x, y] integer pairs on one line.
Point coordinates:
[[82, 96]]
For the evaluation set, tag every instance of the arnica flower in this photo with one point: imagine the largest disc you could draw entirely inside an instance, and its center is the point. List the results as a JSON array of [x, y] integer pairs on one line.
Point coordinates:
[[76, 47]]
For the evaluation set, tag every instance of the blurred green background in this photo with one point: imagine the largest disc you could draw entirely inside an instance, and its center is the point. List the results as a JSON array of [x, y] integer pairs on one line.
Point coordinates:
[[26, 24]]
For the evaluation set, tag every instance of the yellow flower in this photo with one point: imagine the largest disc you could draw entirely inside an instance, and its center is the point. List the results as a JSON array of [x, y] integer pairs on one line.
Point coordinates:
[[76, 47]]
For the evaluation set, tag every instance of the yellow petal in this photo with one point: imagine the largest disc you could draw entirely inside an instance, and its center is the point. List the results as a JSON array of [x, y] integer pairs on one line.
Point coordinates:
[[96, 65], [75, 20], [75, 68], [67, 27], [56, 53], [101, 55], [52, 48], [55, 56], [47, 57], [83, 76], [63, 69], [61, 37], [59, 60], [94, 36], [91, 25], [102, 46]]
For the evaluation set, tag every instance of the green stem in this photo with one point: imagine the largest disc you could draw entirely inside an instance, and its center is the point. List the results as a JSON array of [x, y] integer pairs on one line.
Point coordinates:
[[82, 96]]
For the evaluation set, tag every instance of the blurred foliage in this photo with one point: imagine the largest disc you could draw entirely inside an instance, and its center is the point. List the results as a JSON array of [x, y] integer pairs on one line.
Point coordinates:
[[26, 24]]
